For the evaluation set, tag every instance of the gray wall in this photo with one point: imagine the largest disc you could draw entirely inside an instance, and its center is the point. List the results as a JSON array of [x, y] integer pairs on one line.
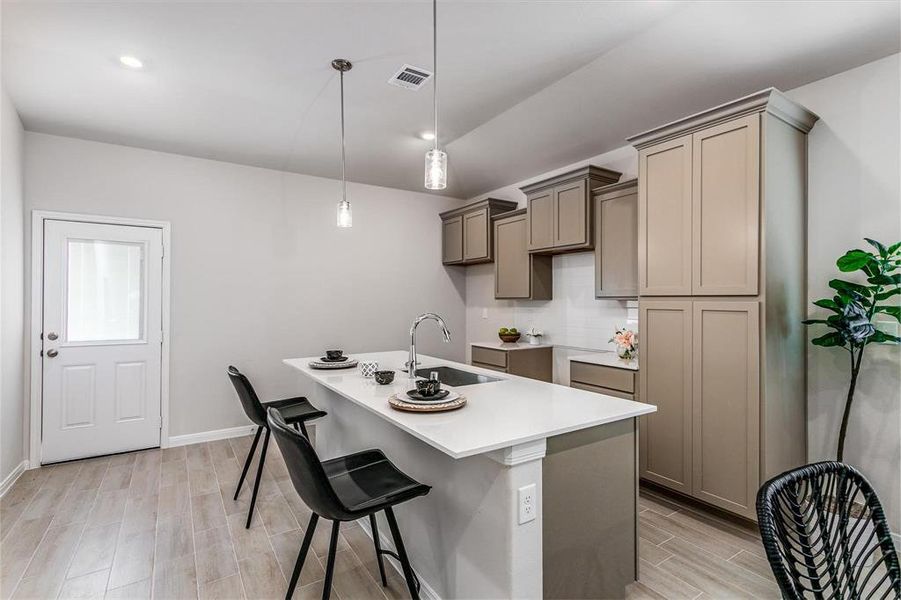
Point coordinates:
[[260, 272], [855, 193], [12, 280]]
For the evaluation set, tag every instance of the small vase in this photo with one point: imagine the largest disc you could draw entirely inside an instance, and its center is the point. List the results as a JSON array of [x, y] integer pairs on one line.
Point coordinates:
[[624, 353], [534, 340]]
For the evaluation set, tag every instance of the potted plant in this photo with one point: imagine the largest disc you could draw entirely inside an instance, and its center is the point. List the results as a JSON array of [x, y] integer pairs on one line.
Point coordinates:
[[534, 336], [508, 335], [853, 308]]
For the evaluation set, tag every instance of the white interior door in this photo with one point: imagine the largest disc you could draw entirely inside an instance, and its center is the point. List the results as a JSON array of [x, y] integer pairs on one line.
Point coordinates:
[[102, 334]]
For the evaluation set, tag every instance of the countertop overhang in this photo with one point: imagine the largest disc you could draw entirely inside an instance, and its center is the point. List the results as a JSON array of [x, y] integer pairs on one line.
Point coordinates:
[[500, 414]]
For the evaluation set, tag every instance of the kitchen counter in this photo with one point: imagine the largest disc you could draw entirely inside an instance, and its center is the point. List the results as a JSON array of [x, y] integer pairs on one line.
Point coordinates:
[[500, 414], [606, 359], [572, 453], [499, 345]]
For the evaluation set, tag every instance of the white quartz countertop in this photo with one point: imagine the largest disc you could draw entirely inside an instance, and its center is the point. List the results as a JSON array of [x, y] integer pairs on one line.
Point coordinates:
[[499, 414], [606, 359], [499, 345]]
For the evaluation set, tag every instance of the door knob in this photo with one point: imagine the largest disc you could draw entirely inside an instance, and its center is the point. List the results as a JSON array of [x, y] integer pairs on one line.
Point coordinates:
[[52, 336], [52, 353]]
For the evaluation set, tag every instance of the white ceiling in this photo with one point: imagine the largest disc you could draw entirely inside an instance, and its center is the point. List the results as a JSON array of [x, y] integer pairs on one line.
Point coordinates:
[[524, 86]]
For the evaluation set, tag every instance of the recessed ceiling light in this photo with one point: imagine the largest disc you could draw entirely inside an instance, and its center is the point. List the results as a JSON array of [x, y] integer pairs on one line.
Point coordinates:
[[131, 62], [427, 135]]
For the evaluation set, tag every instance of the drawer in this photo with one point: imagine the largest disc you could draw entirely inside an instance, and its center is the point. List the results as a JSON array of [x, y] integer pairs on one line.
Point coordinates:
[[601, 390], [600, 376], [489, 356], [489, 367]]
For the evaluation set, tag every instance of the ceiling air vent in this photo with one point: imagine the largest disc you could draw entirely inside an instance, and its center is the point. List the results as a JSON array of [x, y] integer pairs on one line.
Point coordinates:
[[410, 77]]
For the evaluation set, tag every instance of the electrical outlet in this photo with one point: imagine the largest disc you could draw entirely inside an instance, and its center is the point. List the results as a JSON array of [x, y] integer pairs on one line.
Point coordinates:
[[528, 508], [484, 313]]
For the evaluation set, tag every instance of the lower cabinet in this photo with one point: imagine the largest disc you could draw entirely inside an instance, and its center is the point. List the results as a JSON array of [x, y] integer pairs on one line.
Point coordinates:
[[601, 379], [525, 360], [701, 368]]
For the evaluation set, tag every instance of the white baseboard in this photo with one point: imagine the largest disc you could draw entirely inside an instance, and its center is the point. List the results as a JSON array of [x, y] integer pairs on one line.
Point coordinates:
[[209, 436], [12, 477], [426, 592]]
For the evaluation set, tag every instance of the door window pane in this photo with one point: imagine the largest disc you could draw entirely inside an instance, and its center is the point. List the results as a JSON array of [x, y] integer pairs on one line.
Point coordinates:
[[104, 292]]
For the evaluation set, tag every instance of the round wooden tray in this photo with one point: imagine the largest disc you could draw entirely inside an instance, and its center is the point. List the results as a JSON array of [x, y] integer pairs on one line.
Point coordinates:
[[398, 404]]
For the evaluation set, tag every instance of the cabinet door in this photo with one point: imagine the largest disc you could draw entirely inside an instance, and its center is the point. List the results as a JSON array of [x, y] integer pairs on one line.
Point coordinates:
[[726, 404], [616, 247], [541, 220], [475, 236], [452, 240], [511, 259], [665, 380], [571, 227], [664, 219], [725, 208]]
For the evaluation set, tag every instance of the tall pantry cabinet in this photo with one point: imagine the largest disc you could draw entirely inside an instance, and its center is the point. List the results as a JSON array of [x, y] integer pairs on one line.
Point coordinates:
[[722, 291]]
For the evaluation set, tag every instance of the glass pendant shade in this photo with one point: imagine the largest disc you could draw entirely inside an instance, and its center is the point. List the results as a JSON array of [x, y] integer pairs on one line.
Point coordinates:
[[435, 169], [345, 216]]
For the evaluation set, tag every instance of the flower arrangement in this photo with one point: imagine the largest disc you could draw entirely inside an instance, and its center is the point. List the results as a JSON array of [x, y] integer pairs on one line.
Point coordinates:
[[626, 342], [534, 336]]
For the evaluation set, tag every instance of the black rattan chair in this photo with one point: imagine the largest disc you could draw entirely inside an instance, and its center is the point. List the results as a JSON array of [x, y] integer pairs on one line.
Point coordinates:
[[825, 535], [294, 410]]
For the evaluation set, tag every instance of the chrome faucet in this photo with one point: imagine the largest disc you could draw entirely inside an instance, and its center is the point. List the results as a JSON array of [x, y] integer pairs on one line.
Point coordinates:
[[411, 363]]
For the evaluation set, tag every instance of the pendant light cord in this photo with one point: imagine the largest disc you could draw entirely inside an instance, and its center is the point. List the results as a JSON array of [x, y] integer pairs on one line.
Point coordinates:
[[435, 64], [343, 158]]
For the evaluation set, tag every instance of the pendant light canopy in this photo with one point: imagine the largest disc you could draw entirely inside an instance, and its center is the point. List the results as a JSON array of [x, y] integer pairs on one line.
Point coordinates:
[[435, 159], [345, 216]]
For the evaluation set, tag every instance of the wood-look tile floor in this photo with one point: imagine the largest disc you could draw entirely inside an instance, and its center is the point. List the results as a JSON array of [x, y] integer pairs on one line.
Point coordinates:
[[162, 524]]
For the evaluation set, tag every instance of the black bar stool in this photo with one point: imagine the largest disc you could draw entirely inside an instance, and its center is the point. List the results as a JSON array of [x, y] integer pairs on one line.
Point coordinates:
[[345, 489], [293, 410]]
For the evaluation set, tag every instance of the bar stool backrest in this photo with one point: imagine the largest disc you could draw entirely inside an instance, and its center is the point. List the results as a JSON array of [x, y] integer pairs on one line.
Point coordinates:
[[306, 470], [825, 534], [249, 400]]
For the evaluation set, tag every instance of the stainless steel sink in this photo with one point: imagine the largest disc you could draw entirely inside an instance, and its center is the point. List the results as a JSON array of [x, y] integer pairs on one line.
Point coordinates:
[[456, 377]]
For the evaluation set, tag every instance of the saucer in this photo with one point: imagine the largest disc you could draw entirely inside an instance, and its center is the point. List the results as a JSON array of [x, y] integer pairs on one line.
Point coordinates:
[[332, 360]]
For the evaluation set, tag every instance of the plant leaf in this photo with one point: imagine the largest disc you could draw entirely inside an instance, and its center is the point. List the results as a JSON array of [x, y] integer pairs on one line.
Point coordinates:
[[892, 311], [894, 248], [828, 304], [854, 260], [881, 337], [886, 279], [888, 294], [828, 340], [883, 251], [846, 286]]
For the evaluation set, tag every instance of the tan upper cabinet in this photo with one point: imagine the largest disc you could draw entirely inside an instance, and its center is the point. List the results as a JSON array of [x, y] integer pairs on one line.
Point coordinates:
[[452, 240], [518, 274], [560, 210], [726, 208], [665, 437], [475, 240], [467, 232], [664, 217], [616, 240], [726, 404]]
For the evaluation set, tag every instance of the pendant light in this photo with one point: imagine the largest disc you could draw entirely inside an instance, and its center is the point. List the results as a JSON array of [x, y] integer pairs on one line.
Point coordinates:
[[345, 216], [435, 159]]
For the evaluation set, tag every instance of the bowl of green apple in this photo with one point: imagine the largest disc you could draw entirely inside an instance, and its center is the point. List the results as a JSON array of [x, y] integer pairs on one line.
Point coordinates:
[[508, 335]]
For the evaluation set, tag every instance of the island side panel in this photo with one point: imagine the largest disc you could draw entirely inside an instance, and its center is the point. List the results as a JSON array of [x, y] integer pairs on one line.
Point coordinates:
[[589, 492], [463, 539]]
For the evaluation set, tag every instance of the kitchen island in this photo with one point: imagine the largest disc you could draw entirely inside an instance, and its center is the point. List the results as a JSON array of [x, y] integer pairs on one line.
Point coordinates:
[[573, 452]]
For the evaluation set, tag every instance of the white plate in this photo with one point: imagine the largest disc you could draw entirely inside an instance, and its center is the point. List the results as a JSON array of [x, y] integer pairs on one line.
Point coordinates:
[[347, 364]]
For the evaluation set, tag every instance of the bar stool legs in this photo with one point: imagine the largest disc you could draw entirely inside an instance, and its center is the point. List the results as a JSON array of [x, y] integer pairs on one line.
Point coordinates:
[[256, 484], [402, 554], [302, 555], [378, 548], [330, 566], [253, 447]]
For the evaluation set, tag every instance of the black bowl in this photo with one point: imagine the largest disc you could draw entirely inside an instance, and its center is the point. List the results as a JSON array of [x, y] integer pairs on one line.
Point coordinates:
[[334, 354], [428, 387], [384, 377]]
